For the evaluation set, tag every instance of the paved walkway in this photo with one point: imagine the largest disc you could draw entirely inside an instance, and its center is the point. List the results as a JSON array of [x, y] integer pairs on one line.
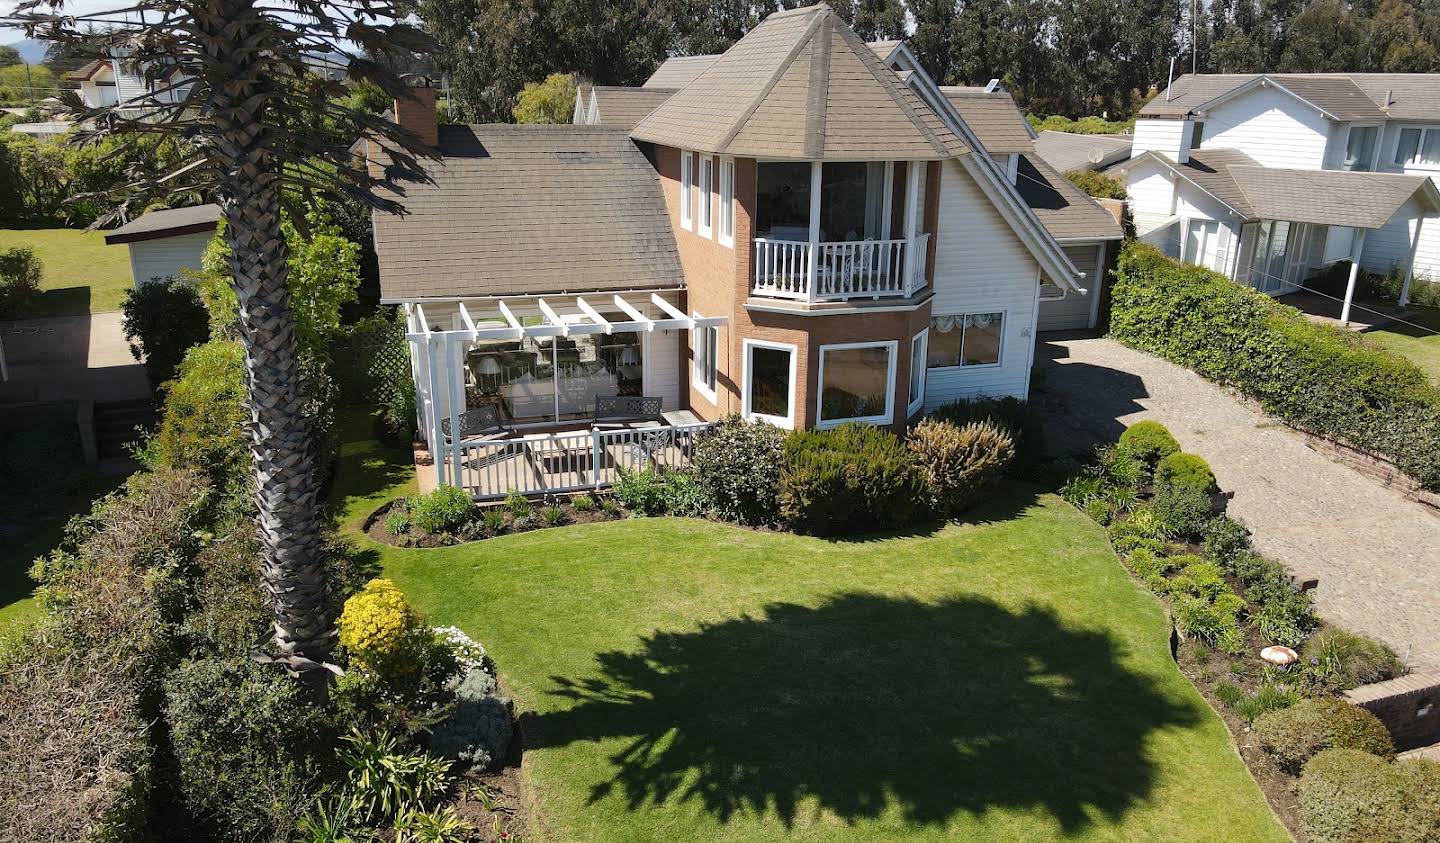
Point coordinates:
[[70, 357], [1377, 555]]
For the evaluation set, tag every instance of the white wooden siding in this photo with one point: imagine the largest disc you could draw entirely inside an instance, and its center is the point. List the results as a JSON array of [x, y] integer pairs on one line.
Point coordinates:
[[1272, 127], [164, 257], [1387, 247], [1152, 195], [1163, 136], [982, 267], [1073, 312]]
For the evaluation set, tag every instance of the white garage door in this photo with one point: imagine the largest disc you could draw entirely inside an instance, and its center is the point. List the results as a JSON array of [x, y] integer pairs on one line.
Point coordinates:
[[1072, 312]]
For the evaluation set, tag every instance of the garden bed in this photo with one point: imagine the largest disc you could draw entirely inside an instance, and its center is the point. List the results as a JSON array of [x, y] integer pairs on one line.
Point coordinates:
[[491, 521]]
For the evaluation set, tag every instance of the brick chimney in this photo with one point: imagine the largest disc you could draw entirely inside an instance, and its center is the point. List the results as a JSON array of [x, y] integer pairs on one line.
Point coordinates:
[[417, 111]]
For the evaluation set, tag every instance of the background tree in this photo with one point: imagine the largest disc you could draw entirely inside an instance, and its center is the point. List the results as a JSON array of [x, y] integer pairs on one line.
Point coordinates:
[[230, 77], [1323, 38], [551, 101], [9, 56]]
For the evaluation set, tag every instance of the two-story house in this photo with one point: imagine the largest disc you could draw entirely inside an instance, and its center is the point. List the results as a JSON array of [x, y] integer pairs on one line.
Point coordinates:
[[116, 81], [1269, 177], [794, 231]]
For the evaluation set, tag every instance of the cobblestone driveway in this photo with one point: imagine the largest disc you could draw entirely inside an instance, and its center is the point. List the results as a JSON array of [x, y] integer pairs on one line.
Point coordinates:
[[1377, 555]]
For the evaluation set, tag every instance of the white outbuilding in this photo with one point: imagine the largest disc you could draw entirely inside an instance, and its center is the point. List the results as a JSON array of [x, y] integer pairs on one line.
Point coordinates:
[[162, 243]]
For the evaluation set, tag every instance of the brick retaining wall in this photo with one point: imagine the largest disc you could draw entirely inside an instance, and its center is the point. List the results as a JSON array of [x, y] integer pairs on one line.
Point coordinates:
[[1409, 707]]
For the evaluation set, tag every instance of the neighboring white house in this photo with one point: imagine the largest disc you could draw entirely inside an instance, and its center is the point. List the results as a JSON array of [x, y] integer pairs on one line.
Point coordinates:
[[114, 80], [1270, 178], [163, 243]]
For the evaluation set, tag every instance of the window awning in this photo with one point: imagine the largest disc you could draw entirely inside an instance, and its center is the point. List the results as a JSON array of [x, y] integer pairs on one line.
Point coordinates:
[[559, 318]]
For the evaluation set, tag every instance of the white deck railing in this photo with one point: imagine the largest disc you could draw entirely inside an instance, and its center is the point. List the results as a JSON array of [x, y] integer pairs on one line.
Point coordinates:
[[568, 462], [791, 269]]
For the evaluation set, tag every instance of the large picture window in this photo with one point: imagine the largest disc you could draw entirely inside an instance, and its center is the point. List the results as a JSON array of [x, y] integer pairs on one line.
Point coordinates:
[[769, 382], [857, 383], [972, 339]]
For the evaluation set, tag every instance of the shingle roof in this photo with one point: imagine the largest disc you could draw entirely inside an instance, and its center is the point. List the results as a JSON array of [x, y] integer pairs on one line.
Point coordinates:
[[1345, 96], [166, 223], [993, 116], [622, 108], [529, 209], [679, 71], [1066, 151], [1064, 209], [801, 85], [1322, 197]]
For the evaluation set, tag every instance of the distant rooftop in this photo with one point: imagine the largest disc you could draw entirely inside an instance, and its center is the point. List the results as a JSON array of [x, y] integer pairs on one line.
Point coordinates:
[[1344, 96], [169, 222]]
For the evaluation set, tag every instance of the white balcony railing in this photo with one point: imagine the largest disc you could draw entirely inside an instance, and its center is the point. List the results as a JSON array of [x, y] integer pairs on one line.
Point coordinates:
[[804, 271]]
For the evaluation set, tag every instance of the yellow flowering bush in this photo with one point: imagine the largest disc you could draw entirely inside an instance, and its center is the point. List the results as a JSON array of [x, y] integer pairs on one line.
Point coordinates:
[[377, 624]]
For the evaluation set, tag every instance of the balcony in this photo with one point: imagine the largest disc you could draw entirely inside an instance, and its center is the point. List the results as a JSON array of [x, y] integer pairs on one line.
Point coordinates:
[[838, 231], [823, 272]]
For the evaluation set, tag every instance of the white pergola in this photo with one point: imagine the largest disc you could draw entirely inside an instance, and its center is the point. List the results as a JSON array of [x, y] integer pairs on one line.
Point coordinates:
[[495, 319]]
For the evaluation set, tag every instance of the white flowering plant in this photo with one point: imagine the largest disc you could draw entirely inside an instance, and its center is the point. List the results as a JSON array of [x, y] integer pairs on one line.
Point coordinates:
[[469, 653]]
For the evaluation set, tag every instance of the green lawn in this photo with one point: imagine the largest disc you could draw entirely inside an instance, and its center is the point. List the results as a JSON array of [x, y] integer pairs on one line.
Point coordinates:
[[82, 274], [1420, 345], [685, 680]]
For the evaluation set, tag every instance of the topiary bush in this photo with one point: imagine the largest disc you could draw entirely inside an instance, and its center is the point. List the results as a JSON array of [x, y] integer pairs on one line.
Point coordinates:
[[1189, 471], [1149, 440], [1340, 659], [850, 479], [440, 511], [739, 466], [163, 319], [248, 747], [1347, 796], [1294, 735], [477, 731], [960, 462]]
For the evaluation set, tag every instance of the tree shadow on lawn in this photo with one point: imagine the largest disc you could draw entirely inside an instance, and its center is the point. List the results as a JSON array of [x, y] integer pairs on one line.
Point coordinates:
[[869, 701]]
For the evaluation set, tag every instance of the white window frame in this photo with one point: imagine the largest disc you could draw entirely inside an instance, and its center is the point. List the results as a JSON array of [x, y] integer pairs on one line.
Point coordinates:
[[893, 347], [1374, 151], [701, 337], [786, 422], [1206, 240], [970, 367], [1416, 163], [687, 178], [705, 193], [920, 341], [727, 202]]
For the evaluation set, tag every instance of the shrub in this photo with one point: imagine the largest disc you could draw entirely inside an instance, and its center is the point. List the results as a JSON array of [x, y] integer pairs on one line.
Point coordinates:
[[518, 505], [1348, 795], [494, 520], [1013, 417], [231, 609], [387, 780], [1294, 734], [1097, 184], [20, 273], [1120, 468], [1199, 578], [1224, 539], [960, 462], [477, 731], [1185, 471], [1342, 660], [1286, 620], [441, 510], [1319, 379], [684, 496], [609, 506], [380, 631], [203, 424], [553, 516], [1183, 510], [397, 523], [583, 503], [1202, 620], [1149, 440], [739, 466], [1268, 697], [163, 319], [247, 747], [850, 479], [641, 491]]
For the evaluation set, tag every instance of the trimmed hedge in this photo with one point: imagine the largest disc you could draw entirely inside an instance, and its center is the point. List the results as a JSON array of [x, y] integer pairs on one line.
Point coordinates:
[[1149, 440], [1347, 796], [1187, 471], [1296, 734], [851, 479], [1329, 382]]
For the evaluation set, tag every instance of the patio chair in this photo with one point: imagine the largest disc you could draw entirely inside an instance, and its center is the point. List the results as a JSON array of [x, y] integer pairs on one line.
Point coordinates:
[[616, 411], [482, 423]]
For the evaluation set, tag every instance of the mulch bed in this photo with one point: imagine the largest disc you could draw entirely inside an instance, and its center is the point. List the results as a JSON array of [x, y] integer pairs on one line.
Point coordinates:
[[375, 524]]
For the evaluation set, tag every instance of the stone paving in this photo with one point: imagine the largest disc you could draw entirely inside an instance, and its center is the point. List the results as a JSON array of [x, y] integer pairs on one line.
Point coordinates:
[[1376, 554]]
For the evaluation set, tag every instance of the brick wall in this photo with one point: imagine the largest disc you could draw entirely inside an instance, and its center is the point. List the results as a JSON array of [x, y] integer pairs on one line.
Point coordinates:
[[718, 279], [1408, 706]]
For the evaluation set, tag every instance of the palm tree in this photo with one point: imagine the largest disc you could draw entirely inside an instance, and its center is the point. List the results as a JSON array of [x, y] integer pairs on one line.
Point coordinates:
[[234, 80]]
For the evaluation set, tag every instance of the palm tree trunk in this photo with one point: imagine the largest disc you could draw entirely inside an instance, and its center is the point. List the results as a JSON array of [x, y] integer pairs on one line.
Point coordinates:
[[281, 441]]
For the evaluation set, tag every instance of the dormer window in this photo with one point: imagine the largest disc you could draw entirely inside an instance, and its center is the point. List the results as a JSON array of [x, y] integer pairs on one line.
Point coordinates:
[[1360, 148]]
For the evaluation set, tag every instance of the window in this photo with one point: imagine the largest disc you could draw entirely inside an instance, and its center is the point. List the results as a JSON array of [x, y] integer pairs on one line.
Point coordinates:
[[687, 178], [969, 340], [857, 383], [707, 175], [769, 383], [1360, 148], [707, 344], [727, 201], [917, 372], [1418, 147], [1197, 134], [1202, 242]]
